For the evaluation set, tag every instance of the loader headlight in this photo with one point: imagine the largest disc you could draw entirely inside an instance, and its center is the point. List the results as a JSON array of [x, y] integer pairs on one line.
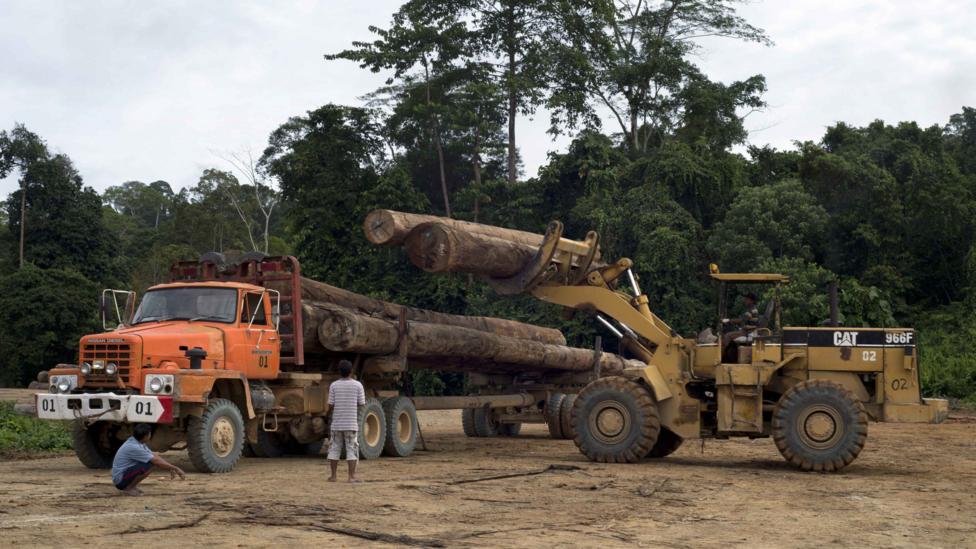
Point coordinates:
[[111, 368], [86, 369], [159, 384]]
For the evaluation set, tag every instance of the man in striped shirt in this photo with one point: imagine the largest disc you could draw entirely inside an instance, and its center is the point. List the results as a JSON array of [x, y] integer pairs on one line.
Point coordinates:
[[346, 395]]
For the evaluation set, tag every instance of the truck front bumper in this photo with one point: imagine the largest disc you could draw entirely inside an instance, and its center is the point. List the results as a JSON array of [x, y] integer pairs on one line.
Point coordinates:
[[105, 407]]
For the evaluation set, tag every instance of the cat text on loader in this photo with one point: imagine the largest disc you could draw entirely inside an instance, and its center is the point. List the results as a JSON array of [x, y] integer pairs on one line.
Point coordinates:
[[813, 389]]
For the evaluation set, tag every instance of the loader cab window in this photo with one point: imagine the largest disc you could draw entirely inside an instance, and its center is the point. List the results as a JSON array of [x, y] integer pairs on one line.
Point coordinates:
[[253, 302], [209, 304]]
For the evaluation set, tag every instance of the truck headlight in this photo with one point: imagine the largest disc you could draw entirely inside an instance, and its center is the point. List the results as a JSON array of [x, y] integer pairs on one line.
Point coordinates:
[[159, 384], [86, 369], [111, 368], [63, 384], [98, 365]]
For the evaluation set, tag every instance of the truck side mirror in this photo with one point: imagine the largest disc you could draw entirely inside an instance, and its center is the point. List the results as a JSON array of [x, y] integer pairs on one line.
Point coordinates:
[[113, 316]]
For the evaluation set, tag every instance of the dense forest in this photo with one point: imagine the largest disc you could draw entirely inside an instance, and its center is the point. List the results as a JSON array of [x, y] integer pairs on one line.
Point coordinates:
[[659, 164]]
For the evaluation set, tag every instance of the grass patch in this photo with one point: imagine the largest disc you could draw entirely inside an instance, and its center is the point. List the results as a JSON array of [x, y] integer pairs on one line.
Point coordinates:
[[22, 435]]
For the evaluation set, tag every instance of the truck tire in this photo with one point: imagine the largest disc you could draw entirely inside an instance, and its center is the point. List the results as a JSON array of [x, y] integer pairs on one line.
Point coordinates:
[[269, 445], [484, 422], [401, 427], [509, 429], [566, 416], [216, 258], [96, 444], [615, 420], [819, 425], [667, 443], [467, 422], [215, 440], [372, 429], [553, 420]]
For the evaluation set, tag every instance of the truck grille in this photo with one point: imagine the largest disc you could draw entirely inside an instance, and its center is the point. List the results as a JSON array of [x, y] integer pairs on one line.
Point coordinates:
[[119, 353]]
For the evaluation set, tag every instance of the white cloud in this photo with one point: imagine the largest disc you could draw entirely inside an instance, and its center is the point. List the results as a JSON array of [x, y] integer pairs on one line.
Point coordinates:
[[145, 91]]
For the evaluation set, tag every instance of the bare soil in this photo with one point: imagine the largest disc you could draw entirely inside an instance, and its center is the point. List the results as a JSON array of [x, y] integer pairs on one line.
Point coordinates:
[[914, 485]]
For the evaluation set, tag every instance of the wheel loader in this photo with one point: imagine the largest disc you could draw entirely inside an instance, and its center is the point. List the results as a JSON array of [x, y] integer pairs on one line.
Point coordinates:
[[813, 389]]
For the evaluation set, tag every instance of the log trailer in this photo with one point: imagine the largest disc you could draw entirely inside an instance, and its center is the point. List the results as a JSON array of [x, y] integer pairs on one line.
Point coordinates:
[[812, 389], [218, 360]]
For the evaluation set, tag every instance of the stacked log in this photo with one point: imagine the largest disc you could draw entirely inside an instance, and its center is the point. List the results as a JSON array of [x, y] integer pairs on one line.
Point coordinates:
[[344, 331]]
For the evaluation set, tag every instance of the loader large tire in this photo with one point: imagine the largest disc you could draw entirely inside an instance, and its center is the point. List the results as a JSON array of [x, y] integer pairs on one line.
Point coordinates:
[[615, 421], [215, 440], [553, 419], [566, 416], [96, 444], [667, 443], [819, 425], [401, 426], [372, 429]]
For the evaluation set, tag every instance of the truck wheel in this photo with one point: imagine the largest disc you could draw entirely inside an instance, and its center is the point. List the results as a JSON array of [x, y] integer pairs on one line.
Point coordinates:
[[269, 445], [467, 422], [819, 426], [215, 440], [401, 426], [484, 422], [667, 443], [509, 429], [566, 416], [553, 420], [372, 429], [95, 445], [615, 421]]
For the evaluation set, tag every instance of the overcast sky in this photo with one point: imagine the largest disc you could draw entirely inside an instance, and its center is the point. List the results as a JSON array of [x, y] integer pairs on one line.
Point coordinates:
[[148, 90]]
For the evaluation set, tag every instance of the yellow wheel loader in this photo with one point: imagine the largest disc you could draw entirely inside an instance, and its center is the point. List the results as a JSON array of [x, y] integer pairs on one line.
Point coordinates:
[[812, 389]]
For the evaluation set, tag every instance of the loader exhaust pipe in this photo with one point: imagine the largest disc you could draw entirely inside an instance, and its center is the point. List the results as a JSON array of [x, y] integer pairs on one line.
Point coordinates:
[[834, 307]]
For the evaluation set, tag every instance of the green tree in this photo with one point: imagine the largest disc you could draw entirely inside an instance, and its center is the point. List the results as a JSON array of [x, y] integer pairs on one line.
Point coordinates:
[[58, 220], [778, 220], [632, 58], [62, 307]]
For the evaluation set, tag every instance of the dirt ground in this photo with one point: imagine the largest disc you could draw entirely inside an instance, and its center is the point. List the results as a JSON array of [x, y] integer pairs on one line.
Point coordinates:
[[914, 485]]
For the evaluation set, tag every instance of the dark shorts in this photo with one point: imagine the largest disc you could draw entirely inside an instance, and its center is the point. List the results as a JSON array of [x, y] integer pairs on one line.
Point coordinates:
[[133, 473]]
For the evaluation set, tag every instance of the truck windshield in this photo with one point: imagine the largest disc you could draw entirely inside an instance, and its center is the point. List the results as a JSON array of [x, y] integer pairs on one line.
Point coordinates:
[[214, 304]]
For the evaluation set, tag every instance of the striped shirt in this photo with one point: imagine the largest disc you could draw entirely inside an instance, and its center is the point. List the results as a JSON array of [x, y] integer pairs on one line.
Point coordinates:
[[345, 395]]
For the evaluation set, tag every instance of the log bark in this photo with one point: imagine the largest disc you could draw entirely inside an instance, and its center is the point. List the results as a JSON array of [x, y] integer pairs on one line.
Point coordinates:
[[345, 331], [390, 228], [438, 248], [318, 295]]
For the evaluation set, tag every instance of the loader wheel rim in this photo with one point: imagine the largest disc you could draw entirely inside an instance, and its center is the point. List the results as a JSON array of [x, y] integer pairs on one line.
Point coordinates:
[[820, 426], [372, 428], [404, 427], [222, 437], [610, 421]]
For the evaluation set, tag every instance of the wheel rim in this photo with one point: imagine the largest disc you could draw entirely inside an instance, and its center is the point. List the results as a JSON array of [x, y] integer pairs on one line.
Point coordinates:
[[372, 428], [404, 427], [820, 426], [222, 437], [610, 421]]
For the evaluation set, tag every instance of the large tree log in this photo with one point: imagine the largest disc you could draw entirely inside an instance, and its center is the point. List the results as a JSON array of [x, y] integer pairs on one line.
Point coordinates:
[[345, 331], [440, 248], [387, 227], [318, 294]]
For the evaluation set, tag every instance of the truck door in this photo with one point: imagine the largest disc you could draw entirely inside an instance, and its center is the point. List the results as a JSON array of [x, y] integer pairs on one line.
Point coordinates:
[[263, 344]]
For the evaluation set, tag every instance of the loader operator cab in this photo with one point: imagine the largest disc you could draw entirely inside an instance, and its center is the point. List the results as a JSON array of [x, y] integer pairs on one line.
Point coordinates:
[[735, 335]]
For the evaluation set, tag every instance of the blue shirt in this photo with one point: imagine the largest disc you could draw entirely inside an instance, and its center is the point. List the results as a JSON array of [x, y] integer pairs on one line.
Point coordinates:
[[131, 453]]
